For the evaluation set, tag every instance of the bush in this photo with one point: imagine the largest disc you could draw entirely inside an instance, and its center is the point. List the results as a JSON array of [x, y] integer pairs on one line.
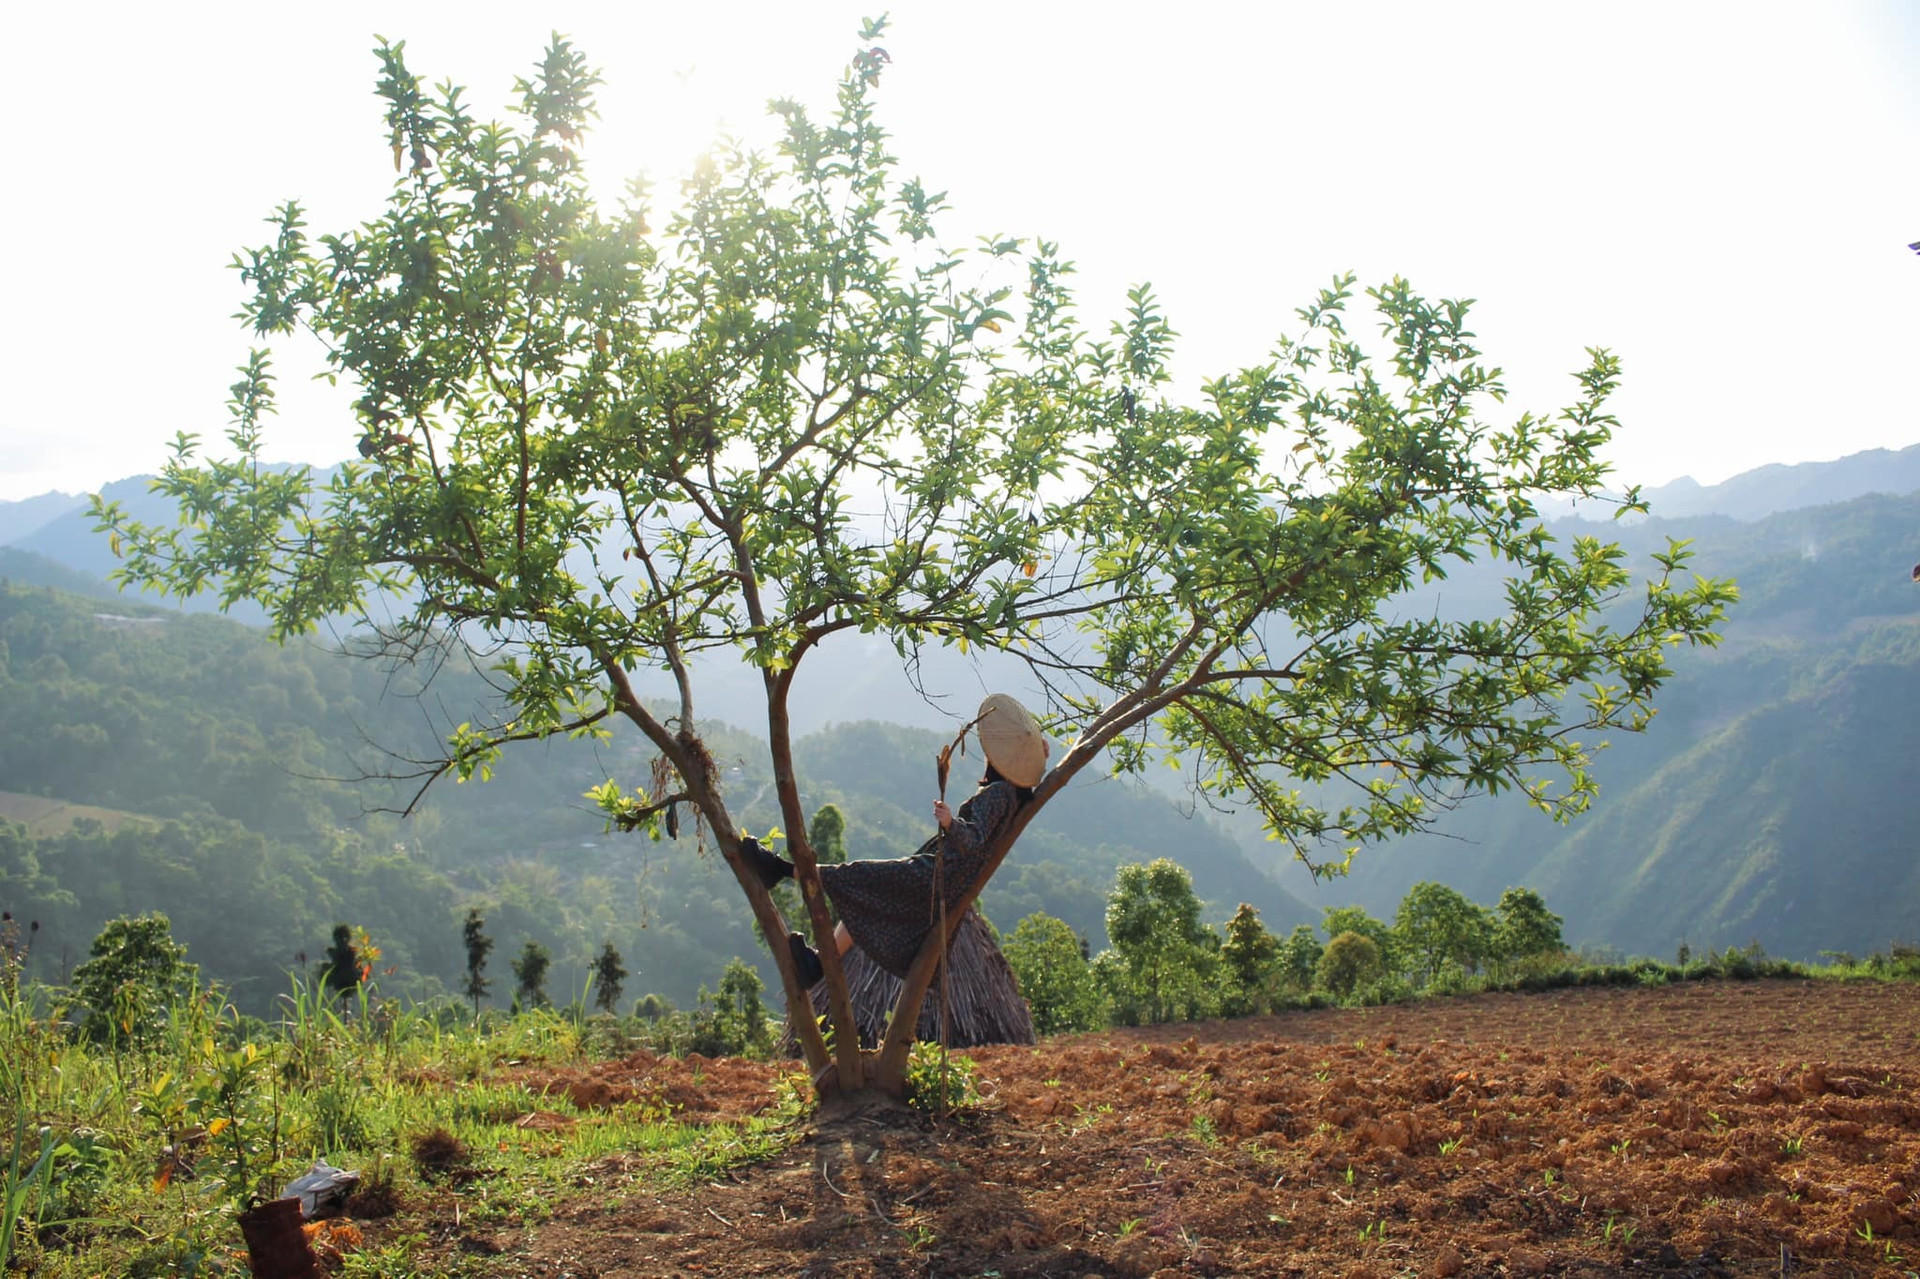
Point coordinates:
[[939, 1079], [732, 1022], [1452, 979], [1389, 989], [1350, 961], [1054, 977], [137, 975]]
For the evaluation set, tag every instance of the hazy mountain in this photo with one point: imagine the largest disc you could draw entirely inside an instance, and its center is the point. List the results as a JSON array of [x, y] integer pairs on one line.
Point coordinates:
[[1772, 798], [33, 569], [1768, 490], [18, 519], [69, 538], [1771, 489], [856, 677]]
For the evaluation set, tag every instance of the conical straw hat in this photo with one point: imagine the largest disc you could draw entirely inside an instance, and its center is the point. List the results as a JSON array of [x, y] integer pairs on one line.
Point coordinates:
[[1013, 742]]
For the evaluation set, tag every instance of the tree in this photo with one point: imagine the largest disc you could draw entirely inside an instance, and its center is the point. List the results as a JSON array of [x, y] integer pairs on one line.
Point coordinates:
[[1250, 954], [478, 946], [1525, 928], [1353, 919], [1050, 964], [827, 832], [732, 1021], [1168, 961], [591, 448], [1350, 961], [530, 975], [1299, 957], [136, 974], [609, 974], [341, 969], [1441, 926]]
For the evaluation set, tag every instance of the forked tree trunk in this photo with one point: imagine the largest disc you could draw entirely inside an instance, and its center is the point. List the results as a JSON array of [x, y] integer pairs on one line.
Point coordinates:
[[883, 1071]]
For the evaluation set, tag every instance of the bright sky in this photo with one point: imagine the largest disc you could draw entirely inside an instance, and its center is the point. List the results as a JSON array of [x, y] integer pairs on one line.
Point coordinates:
[[1722, 193]]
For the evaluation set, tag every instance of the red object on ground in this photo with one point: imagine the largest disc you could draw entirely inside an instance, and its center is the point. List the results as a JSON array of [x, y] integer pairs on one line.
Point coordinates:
[[276, 1246]]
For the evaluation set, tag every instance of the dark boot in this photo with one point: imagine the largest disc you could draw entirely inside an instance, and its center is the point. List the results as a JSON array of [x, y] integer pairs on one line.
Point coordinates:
[[806, 959], [770, 867]]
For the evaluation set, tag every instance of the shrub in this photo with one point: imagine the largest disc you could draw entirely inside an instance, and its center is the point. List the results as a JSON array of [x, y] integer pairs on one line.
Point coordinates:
[[1054, 977], [1391, 988], [1349, 961], [138, 973], [732, 1022], [940, 1080]]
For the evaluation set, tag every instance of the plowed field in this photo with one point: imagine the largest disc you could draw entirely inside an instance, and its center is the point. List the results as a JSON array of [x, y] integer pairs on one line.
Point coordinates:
[[1706, 1129]]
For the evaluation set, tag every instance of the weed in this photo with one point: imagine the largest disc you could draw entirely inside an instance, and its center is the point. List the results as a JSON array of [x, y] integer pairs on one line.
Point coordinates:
[[1790, 1148], [943, 1082], [1130, 1225], [1349, 1174], [1085, 1118], [393, 1261], [1450, 1145], [1620, 1147], [1376, 1232], [1203, 1131], [18, 1186]]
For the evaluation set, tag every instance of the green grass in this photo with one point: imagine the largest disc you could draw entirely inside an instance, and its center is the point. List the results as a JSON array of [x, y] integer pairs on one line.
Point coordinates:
[[98, 1180]]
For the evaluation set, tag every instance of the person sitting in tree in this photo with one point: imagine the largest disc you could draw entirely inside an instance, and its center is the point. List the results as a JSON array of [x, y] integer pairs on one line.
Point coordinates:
[[887, 907]]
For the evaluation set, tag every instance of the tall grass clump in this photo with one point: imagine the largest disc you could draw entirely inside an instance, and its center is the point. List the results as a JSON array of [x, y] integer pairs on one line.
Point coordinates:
[[131, 1139]]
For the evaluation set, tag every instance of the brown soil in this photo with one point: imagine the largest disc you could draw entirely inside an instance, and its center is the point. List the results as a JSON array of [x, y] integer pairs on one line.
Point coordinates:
[[1708, 1129]]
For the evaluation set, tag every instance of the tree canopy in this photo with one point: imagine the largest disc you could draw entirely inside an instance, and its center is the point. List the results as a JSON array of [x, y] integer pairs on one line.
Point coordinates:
[[594, 448]]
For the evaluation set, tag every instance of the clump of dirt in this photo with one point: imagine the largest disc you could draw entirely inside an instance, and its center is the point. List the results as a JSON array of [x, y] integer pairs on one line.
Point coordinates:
[[376, 1196], [1705, 1129], [438, 1154]]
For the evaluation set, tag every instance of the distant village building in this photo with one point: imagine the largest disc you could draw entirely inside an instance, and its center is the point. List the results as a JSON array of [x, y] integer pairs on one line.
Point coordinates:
[[120, 622]]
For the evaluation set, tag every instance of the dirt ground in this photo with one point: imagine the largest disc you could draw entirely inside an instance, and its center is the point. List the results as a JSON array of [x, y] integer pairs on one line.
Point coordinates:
[[1763, 1128]]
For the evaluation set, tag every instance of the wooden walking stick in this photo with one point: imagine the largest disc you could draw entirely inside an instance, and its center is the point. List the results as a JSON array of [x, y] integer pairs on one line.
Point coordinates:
[[942, 763]]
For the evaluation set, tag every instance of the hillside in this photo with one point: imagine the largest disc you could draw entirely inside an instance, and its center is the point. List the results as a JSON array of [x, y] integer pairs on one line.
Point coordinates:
[[1683, 845], [42, 816], [1770, 800], [257, 768], [1769, 490], [1777, 487]]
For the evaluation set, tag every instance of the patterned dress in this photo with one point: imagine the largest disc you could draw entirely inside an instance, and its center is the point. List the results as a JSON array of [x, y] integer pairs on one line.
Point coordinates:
[[888, 906]]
